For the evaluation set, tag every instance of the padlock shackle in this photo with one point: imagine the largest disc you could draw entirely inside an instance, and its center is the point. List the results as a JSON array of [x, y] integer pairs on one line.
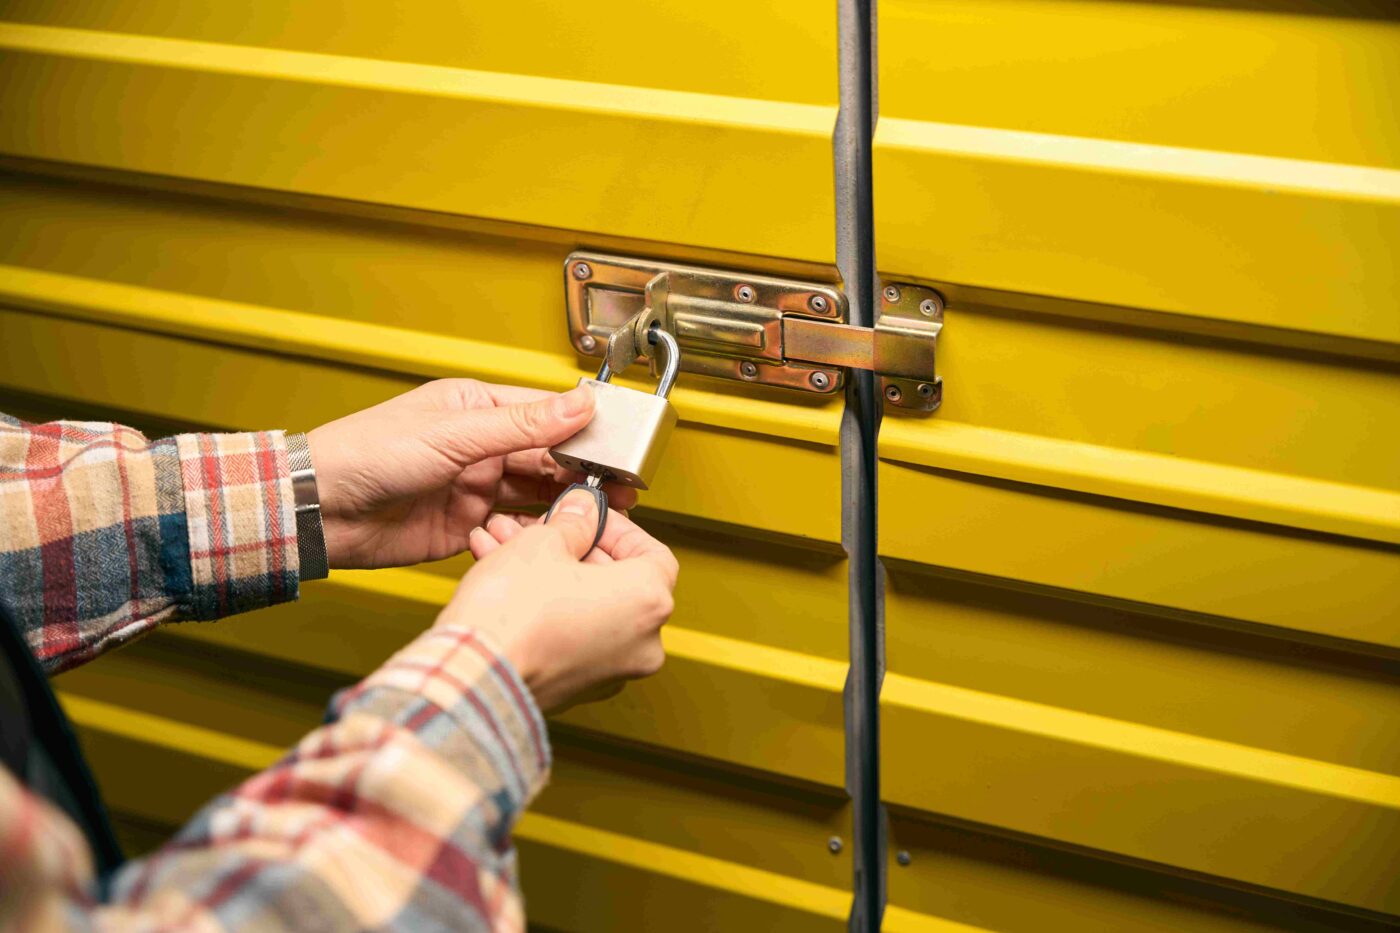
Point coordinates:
[[672, 369], [669, 372]]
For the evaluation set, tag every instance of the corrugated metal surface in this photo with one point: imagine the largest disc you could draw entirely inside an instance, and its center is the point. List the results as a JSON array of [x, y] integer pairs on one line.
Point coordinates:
[[1144, 582], [272, 215], [1143, 606]]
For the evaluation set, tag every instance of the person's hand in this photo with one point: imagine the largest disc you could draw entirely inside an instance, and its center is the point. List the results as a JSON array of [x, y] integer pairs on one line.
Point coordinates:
[[407, 480], [574, 630]]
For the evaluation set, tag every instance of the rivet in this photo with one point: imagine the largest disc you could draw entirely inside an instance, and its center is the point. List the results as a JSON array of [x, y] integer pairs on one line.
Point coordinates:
[[925, 390], [902, 857], [749, 370], [582, 270], [930, 307], [820, 380], [891, 293], [818, 303], [834, 844], [587, 342], [893, 394], [744, 293]]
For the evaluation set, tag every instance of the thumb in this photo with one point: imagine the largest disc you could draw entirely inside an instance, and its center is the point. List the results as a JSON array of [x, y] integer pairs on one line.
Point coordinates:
[[575, 518], [505, 429]]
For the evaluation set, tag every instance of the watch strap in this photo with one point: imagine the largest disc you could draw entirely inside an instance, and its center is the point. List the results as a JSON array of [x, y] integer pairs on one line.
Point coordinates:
[[311, 535]]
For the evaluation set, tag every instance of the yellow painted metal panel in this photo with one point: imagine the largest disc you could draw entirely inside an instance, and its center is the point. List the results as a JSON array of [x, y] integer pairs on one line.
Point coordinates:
[[616, 42], [1166, 187], [633, 161], [1143, 600], [957, 880], [274, 217], [1185, 561]]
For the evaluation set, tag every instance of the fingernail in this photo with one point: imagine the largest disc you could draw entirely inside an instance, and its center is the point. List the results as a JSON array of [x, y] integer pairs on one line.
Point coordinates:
[[576, 401], [579, 502]]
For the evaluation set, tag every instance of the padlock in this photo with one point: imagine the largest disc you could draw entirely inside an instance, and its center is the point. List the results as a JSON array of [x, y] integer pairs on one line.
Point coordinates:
[[624, 441]]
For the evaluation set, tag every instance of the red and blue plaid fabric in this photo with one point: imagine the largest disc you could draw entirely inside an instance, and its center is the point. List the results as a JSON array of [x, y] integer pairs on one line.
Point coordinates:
[[396, 814], [104, 535]]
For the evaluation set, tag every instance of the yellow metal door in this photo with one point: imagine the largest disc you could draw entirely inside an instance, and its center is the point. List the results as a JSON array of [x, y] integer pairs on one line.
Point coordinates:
[[1143, 597], [231, 216]]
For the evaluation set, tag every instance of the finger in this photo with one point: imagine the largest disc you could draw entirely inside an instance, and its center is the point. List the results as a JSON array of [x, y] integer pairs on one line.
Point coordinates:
[[625, 540], [642, 587], [576, 521], [493, 432], [535, 462], [620, 497], [481, 543], [516, 492], [596, 556], [462, 395], [525, 520], [503, 527]]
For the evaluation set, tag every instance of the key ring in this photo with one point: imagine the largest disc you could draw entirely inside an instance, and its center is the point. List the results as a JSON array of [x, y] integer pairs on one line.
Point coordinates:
[[594, 485]]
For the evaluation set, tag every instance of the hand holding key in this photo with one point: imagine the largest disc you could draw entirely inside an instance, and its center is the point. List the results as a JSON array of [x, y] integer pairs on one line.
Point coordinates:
[[575, 630]]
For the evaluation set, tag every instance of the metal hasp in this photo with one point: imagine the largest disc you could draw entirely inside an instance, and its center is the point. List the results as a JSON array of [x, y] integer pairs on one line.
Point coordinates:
[[754, 328]]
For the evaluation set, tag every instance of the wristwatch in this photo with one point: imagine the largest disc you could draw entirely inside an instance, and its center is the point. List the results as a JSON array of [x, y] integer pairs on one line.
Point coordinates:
[[311, 536]]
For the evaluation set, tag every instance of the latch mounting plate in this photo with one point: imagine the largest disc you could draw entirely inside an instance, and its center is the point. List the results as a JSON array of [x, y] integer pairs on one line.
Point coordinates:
[[759, 329]]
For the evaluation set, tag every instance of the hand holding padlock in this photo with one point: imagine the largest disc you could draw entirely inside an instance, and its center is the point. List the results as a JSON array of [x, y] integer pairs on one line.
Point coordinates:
[[624, 441]]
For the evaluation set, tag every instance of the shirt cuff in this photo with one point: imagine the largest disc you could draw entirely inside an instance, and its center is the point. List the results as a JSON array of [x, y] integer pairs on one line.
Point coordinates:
[[454, 689], [240, 521]]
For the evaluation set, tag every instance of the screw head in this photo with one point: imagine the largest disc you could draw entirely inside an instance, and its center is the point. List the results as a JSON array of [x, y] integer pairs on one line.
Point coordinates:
[[925, 390], [818, 303], [582, 270], [820, 380], [891, 293], [748, 370], [902, 857], [588, 342], [834, 844], [893, 393], [744, 293], [931, 307]]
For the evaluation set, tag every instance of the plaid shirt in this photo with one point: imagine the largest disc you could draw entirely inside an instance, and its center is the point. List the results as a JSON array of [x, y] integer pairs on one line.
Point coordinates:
[[395, 814]]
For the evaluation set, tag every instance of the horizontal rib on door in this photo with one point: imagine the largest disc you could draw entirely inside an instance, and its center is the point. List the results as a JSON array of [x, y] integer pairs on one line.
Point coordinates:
[[1143, 608], [272, 218]]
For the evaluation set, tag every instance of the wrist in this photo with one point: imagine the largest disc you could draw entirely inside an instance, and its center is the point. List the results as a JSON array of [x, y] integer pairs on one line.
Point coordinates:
[[311, 538]]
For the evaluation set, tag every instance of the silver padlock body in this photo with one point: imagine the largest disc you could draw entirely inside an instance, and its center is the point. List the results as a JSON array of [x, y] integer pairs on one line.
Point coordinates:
[[624, 440]]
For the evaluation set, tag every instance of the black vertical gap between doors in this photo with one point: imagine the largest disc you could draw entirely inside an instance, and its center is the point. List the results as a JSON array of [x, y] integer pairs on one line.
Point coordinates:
[[860, 427]]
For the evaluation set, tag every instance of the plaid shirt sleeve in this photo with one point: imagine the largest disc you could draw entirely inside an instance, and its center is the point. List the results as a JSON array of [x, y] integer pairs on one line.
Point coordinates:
[[394, 815], [104, 534]]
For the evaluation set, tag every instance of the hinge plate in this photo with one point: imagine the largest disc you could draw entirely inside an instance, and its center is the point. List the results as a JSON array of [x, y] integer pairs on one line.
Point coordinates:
[[755, 328]]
